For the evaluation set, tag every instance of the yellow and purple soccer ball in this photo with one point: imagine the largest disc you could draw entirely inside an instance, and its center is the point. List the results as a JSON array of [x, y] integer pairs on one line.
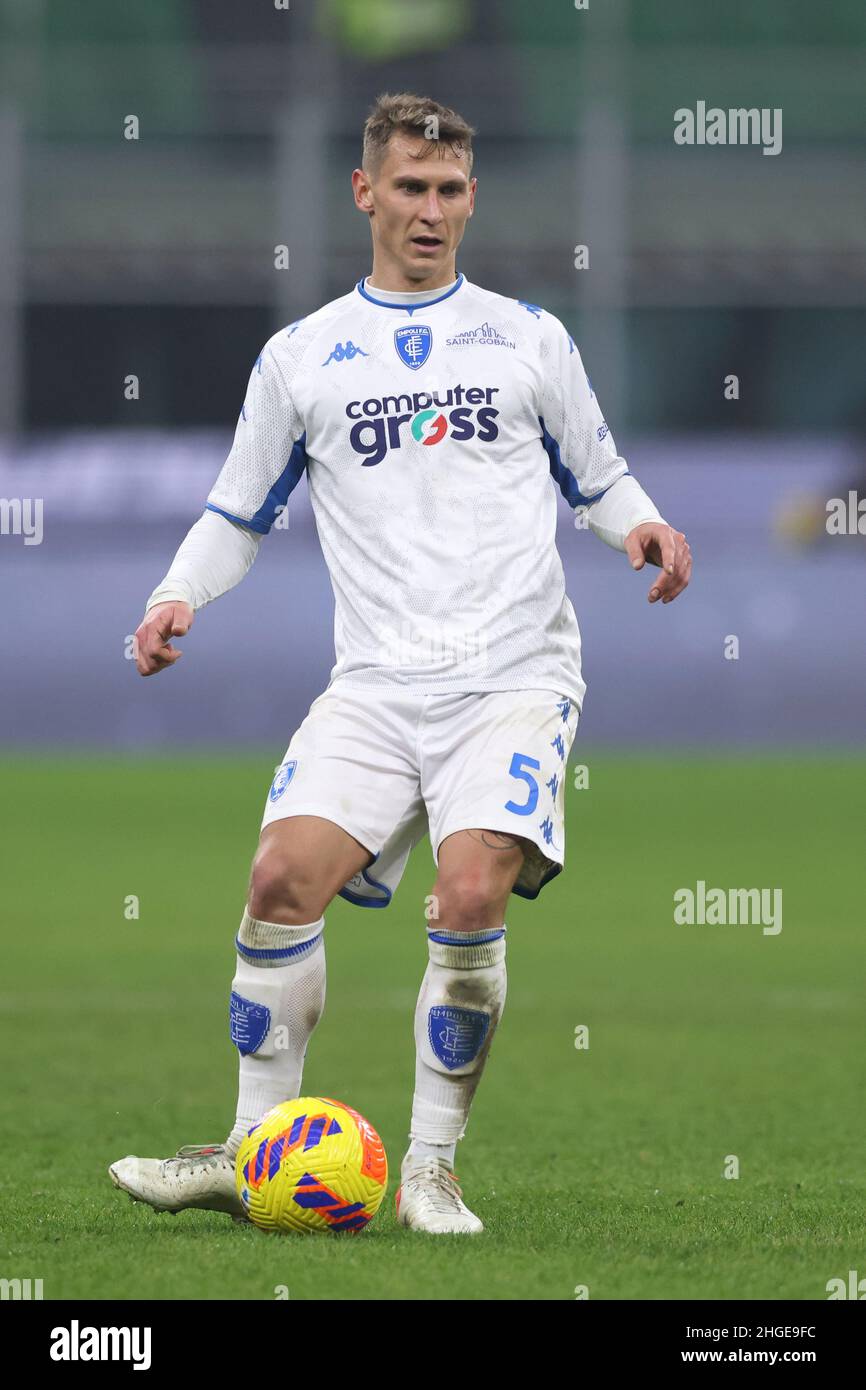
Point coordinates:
[[311, 1165]]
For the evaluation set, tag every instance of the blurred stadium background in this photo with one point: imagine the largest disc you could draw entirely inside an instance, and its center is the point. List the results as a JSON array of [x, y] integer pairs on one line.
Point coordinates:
[[155, 257]]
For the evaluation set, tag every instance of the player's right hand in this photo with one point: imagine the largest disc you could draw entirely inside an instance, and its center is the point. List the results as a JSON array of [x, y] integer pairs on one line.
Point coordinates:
[[153, 649]]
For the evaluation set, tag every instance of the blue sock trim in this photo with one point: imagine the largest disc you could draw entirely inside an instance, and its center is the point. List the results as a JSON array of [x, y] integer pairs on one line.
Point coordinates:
[[254, 953], [464, 938]]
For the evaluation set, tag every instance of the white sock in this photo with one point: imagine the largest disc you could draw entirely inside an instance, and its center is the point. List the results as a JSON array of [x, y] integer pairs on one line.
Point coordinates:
[[461, 1001], [419, 1148], [278, 994]]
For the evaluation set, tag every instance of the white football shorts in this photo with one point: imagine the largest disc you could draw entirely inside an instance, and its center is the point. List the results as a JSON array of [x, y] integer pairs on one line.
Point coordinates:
[[388, 767]]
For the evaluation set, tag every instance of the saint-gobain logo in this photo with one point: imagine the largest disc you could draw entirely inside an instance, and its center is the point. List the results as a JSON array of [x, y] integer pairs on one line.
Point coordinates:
[[378, 422]]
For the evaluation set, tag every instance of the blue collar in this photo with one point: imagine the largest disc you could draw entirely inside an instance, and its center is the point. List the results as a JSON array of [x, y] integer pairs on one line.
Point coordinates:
[[409, 308]]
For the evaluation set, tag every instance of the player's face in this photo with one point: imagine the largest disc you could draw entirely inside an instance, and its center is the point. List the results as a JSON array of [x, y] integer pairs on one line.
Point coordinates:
[[419, 200]]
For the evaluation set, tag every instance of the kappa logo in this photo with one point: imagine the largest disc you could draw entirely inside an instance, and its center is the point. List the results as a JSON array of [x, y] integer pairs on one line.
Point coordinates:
[[414, 344], [339, 353], [483, 336], [546, 828]]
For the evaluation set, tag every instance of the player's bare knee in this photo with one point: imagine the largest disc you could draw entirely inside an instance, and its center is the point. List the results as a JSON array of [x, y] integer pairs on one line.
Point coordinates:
[[470, 901], [283, 889]]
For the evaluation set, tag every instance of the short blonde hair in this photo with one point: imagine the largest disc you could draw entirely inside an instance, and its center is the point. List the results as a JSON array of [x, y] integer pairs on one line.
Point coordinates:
[[413, 115]]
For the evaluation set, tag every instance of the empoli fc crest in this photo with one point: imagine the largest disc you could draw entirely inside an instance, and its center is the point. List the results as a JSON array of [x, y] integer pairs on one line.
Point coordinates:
[[285, 773], [456, 1035], [413, 344]]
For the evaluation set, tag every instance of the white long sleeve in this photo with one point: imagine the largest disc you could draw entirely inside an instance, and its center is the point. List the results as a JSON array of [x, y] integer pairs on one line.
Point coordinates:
[[214, 556], [622, 507]]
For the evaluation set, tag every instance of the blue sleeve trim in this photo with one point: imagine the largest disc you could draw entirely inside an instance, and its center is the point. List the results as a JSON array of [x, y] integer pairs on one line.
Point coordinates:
[[230, 516], [278, 495], [563, 475], [285, 484]]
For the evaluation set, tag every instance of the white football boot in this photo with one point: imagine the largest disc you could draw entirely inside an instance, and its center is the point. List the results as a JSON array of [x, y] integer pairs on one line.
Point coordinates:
[[200, 1175], [429, 1199]]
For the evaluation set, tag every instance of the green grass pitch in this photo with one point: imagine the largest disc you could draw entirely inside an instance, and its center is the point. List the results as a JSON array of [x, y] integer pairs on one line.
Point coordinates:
[[601, 1167]]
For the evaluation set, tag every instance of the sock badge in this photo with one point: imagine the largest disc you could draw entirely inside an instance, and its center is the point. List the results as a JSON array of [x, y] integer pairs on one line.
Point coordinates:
[[248, 1023], [456, 1035]]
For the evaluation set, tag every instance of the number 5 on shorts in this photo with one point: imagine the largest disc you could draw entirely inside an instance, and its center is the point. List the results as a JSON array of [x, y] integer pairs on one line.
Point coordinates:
[[519, 768]]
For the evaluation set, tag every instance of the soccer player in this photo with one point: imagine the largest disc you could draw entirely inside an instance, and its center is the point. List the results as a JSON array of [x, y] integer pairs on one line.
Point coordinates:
[[434, 419]]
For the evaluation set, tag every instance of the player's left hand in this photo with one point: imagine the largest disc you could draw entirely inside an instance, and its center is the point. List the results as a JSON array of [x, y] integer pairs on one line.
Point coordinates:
[[661, 545]]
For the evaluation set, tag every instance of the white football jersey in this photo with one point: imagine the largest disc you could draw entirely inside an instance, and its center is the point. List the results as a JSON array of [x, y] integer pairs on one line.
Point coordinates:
[[434, 430]]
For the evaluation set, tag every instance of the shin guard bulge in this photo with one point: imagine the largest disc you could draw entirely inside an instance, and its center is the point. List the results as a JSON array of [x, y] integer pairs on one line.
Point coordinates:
[[461, 1000], [278, 995]]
